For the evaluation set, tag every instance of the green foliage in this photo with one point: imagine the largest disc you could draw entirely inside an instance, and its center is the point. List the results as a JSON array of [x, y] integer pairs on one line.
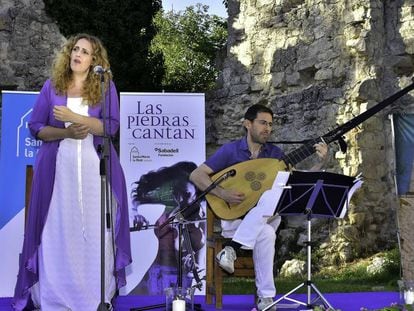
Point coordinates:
[[348, 278], [357, 272], [189, 42], [246, 286], [125, 27], [181, 57], [393, 307]]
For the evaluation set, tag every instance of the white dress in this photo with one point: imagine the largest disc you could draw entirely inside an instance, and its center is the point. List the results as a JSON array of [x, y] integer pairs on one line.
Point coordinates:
[[69, 254]]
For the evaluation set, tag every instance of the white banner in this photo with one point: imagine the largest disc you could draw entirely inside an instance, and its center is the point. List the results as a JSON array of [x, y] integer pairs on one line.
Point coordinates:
[[162, 139]]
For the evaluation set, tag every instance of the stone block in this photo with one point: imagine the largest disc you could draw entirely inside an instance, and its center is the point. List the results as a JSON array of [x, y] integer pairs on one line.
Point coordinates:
[[324, 74]]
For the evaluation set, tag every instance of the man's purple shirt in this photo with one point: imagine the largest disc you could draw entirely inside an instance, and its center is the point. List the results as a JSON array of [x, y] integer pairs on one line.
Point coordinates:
[[238, 151]]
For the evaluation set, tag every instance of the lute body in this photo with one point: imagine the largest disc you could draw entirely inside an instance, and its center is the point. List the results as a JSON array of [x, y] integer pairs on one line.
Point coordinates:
[[253, 177]]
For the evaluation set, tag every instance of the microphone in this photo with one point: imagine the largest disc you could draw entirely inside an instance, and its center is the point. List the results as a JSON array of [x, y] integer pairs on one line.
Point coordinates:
[[219, 180], [100, 70]]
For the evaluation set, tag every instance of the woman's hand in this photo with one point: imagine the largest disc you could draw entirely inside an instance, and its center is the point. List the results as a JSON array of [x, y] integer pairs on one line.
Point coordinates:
[[80, 122], [77, 131], [64, 114]]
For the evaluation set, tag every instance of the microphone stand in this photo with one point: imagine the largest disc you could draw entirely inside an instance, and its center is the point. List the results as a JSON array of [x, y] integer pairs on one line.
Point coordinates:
[[103, 168], [213, 185], [183, 231]]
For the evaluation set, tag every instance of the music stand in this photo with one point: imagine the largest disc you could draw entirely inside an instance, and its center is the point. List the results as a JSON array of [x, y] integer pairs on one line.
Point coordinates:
[[314, 194]]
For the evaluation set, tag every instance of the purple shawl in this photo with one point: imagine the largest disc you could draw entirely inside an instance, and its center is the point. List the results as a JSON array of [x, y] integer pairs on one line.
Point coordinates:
[[43, 181]]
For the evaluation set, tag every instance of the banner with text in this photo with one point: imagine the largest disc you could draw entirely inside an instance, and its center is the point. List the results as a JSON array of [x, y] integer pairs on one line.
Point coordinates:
[[18, 149], [162, 139]]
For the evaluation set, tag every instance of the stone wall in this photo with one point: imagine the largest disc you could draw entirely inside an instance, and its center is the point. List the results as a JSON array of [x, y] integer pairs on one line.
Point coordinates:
[[28, 41], [318, 64]]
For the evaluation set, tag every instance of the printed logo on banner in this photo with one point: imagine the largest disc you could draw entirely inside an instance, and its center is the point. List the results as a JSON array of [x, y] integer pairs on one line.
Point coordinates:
[[166, 152], [27, 147], [135, 156]]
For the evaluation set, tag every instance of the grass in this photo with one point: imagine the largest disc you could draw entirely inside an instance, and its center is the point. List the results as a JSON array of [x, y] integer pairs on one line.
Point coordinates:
[[242, 286], [352, 277]]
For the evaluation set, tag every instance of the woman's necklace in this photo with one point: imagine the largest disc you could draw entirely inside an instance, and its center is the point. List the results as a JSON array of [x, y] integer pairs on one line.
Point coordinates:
[[254, 152]]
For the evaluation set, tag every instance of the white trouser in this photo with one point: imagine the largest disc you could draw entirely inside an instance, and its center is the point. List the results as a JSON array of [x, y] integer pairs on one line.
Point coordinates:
[[256, 231]]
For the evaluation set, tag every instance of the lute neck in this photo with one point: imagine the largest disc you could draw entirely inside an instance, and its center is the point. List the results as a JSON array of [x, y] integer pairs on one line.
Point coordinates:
[[307, 149], [304, 151]]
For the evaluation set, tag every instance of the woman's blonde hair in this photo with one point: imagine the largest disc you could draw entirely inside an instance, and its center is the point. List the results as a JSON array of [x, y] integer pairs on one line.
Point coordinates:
[[62, 73]]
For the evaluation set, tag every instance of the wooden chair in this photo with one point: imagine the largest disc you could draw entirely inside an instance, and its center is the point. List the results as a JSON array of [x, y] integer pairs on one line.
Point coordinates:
[[28, 190], [243, 266]]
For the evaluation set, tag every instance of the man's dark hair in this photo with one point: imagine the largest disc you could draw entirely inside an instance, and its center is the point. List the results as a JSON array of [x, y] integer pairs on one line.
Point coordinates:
[[252, 112]]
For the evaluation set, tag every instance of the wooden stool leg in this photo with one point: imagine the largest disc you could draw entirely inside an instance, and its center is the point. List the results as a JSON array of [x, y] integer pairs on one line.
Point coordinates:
[[210, 291], [210, 241], [218, 273]]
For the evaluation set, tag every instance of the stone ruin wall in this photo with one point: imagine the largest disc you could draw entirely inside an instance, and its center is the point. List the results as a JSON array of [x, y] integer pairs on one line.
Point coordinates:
[[319, 63], [28, 42]]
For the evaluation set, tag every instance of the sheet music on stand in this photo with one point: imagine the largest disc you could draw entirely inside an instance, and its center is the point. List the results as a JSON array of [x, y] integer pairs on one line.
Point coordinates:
[[314, 194], [332, 199]]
